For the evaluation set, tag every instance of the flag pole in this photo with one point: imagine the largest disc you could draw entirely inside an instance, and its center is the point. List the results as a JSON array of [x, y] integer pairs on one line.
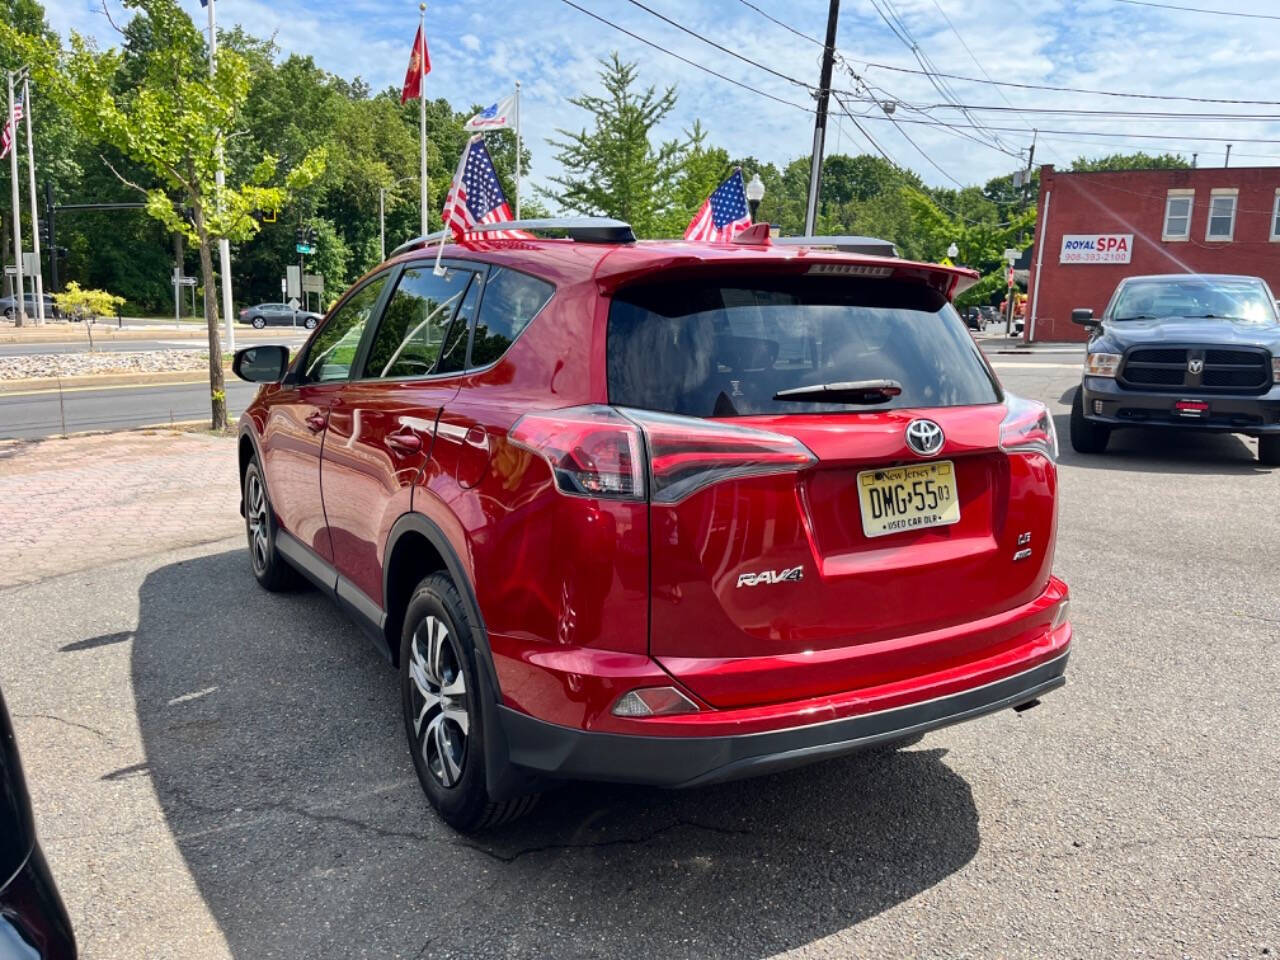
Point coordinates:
[[422, 112], [19, 297], [517, 149], [35, 215]]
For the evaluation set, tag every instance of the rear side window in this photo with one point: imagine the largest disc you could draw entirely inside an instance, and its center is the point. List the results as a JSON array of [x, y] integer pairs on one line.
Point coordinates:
[[725, 347], [510, 301]]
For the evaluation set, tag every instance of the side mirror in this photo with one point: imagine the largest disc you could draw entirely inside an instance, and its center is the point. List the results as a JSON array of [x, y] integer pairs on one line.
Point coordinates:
[[1083, 316], [262, 364]]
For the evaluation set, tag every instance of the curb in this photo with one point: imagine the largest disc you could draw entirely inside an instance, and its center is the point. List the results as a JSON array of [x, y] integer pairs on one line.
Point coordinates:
[[33, 385]]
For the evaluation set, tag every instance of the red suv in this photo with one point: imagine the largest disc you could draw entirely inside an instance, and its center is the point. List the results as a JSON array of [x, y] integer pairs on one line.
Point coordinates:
[[659, 512]]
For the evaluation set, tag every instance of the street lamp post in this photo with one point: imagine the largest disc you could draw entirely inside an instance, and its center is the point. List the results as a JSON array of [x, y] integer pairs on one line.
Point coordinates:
[[953, 251], [755, 193]]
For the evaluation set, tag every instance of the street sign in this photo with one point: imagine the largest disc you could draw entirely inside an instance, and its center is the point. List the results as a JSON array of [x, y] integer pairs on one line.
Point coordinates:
[[293, 303], [293, 276], [30, 264], [188, 281], [1011, 254], [313, 283], [10, 270], [306, 248]]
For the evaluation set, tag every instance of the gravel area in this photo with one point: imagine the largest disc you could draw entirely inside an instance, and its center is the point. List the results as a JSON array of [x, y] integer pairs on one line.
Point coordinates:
[[119, 361]]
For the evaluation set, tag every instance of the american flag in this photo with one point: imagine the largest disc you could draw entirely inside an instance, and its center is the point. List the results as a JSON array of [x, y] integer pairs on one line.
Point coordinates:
[[475, 196], [723, 215], [6, 138]]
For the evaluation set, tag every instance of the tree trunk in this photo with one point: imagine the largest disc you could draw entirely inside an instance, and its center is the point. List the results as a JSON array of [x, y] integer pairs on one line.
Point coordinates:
[[217, 385]]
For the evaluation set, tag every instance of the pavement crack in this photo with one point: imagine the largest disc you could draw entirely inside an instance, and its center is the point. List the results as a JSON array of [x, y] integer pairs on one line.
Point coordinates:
[[70, 723], [599, 844]]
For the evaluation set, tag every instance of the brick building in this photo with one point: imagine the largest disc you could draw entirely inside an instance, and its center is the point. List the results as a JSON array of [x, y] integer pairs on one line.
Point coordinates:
[[1094, 229]]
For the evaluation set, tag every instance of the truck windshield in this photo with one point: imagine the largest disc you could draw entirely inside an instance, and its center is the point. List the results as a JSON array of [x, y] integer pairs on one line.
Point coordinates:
[[1227, 298], [724, 347]]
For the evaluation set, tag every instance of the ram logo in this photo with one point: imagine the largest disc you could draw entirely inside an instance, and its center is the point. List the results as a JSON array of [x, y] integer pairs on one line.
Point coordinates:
[[791, 575]]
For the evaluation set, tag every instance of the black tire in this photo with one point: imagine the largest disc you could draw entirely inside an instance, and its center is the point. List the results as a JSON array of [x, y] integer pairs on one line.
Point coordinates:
[[1269, 451], [8, 313], [1086, 436], [270, 569], [435, 696], [258, 323], [310, 323]]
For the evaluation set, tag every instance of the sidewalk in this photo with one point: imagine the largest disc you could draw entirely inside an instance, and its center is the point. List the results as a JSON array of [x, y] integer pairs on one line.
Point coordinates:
[[78, 503]]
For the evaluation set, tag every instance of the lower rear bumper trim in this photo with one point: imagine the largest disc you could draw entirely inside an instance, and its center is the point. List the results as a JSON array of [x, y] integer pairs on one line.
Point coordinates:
[[550, 750]]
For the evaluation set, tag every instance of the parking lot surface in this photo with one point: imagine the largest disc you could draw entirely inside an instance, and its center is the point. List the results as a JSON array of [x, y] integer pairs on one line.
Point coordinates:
[[221, 772]]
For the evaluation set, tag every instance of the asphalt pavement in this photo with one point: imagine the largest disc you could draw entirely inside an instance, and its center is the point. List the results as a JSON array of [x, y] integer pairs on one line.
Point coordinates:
[[218, 771], [40, 413]]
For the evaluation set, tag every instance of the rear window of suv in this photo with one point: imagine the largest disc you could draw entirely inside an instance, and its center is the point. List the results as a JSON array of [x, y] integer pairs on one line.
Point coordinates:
[[725, 347]]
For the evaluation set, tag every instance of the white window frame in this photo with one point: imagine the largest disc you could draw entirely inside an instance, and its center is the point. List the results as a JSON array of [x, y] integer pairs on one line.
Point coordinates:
[[1178, 194], [1275, 213], [1214, 194]]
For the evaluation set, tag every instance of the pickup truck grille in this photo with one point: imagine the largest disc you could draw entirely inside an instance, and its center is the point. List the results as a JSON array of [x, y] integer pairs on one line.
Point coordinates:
[[1233, 370]]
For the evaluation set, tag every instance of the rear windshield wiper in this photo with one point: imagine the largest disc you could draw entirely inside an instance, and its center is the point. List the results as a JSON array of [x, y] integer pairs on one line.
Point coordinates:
[[846, 391]]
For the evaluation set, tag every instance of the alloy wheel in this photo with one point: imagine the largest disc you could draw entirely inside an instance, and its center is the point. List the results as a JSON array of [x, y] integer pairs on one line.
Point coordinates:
[[257, 515], [441, 721]]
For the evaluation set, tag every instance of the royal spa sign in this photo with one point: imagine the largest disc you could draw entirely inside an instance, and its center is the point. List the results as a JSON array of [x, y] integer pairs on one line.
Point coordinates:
[[1096, 248]]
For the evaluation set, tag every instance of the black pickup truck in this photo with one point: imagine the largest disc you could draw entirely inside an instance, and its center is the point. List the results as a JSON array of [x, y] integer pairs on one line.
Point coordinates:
[[1182, 351]]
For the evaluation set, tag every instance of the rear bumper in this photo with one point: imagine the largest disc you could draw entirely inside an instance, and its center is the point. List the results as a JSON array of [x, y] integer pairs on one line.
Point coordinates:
[[33, 921], [1125, 407], [549, 750]]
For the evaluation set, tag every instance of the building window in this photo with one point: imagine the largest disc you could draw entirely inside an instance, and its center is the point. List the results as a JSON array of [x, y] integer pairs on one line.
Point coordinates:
[[1177, 215], [1275, 217], [1222, 215]]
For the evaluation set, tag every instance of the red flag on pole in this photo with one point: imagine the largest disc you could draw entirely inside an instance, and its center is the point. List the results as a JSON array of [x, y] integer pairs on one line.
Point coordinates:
[[419, 67]]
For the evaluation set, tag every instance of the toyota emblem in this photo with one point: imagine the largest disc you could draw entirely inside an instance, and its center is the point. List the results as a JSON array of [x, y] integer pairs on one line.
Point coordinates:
[[924, 437], [1195, 367]]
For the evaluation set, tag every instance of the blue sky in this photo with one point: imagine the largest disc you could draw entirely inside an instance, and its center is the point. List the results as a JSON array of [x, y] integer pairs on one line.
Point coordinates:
[[479, 49]]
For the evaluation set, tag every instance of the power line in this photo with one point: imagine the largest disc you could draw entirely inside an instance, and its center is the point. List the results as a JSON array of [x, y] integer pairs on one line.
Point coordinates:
[[1063, 89], [785, 26], [683, 59], [1116, 114], [1072, 133], [1217, 13]]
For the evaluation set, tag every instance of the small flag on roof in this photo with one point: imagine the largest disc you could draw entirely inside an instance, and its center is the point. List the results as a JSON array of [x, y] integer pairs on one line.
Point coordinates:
[[475, 196], [724, 214]]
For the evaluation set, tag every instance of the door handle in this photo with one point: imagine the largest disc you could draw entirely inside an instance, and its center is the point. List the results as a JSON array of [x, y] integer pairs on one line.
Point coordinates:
[[478, 438], [404, 443], [316, 421]]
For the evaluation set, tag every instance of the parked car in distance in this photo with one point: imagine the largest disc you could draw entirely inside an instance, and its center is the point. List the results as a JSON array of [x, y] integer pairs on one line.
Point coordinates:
[[989, 313], [278, 314], [659, 513], [8, 304], [1185, 352], [973, 318], [33, 920]]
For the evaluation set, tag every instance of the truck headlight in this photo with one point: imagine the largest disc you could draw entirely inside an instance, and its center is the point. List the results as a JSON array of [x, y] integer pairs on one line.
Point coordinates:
[[1102, 364], [1275, 369]]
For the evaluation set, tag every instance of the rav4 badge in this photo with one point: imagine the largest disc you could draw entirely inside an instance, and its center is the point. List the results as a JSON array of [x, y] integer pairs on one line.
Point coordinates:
[[790, 575]]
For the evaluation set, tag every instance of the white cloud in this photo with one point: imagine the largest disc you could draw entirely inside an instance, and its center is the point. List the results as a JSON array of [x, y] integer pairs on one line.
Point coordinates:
[[554, 49]]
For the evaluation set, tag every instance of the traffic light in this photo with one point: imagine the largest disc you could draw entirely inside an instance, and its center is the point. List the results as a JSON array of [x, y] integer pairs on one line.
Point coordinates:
[[311, 236], [300, 236], [44, 231]]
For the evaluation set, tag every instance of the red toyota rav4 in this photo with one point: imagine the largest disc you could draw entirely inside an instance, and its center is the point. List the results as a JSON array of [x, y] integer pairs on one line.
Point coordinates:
[[659, 512]]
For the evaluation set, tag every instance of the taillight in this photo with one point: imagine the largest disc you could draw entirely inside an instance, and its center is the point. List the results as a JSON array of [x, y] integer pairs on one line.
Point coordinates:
[[600, 451], [1028, 428], [593, 451]]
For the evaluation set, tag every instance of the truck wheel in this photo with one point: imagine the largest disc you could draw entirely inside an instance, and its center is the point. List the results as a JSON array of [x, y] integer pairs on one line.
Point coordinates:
[[443, 719], [1086, 436], [1269, 451]]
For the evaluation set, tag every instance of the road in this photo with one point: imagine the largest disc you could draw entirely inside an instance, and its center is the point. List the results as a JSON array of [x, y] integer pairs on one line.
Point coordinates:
[[109, 345], [221, 772], [39, 414]]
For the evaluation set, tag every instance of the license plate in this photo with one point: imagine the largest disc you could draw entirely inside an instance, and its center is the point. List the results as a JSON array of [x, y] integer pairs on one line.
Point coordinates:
[[908, 498]]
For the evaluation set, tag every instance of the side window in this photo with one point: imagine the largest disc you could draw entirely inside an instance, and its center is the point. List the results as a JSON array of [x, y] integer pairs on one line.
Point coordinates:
[[334, 349], [453, 357], [414, 325], [511, 300]]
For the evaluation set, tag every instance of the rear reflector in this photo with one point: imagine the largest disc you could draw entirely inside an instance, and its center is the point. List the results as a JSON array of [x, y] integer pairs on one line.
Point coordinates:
[[600, 451], [653, 702]]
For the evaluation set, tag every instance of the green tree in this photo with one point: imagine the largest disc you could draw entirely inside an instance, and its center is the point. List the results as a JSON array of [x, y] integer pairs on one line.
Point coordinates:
[[702, 169], [614, 169], [155, 101], [1129, 161]]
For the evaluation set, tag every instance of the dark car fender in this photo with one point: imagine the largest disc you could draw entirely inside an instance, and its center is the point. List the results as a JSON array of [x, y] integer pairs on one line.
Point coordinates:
[[504, 781]]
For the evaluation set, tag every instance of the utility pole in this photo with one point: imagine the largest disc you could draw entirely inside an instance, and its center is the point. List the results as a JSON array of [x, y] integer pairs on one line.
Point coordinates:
[[35, 212], [19, 297], [224, 245], [820, 120]]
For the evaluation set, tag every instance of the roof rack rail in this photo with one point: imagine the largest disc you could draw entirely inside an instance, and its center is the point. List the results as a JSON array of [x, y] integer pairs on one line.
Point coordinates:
[[579, 229], [845, 244]]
